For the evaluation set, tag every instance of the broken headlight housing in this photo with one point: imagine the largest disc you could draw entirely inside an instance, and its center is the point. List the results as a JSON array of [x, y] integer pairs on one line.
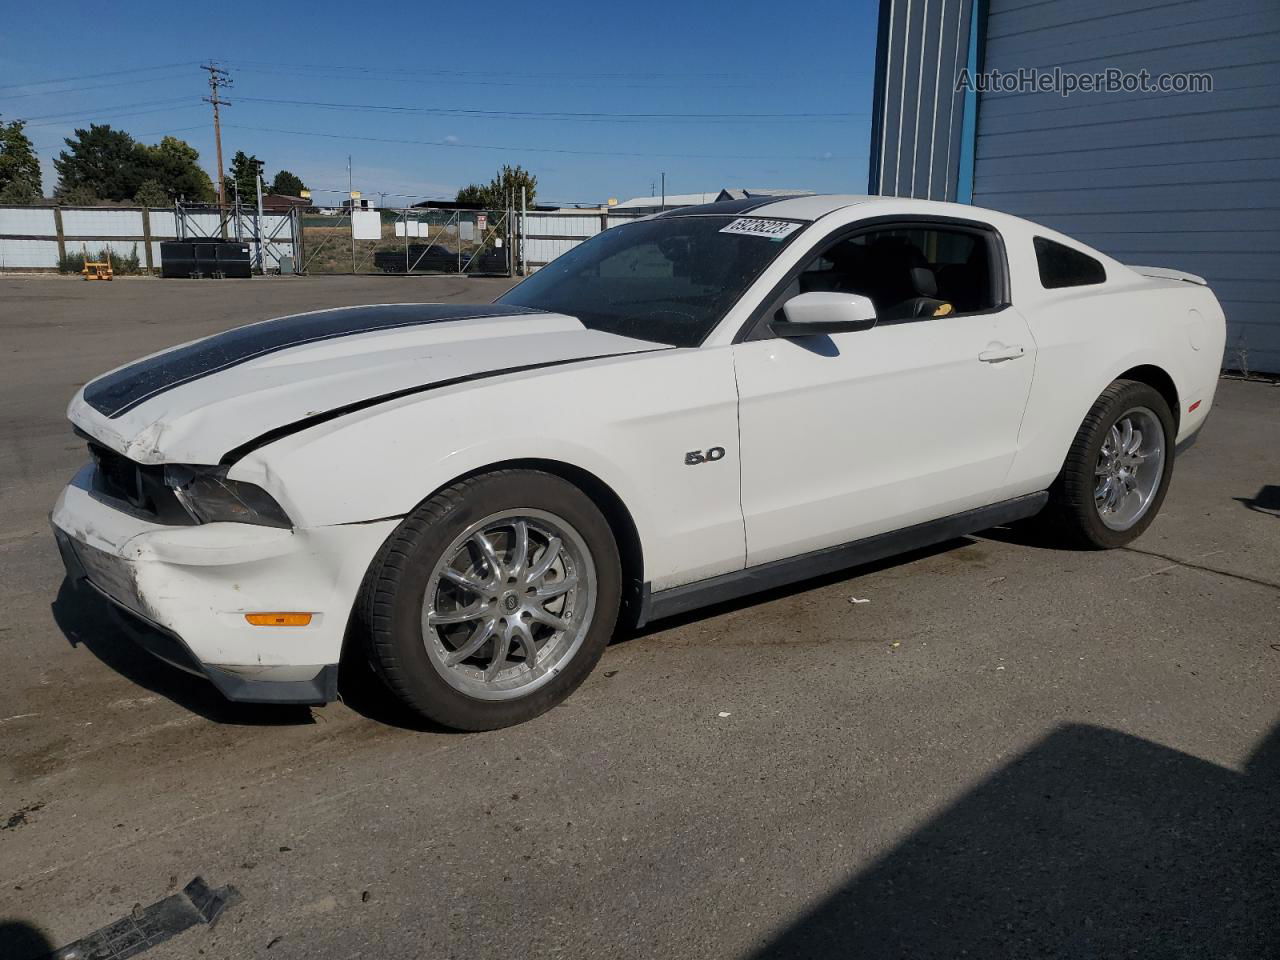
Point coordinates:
[[209, 497]]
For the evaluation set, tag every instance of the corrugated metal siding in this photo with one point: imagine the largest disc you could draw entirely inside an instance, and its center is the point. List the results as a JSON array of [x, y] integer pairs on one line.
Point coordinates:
[[919, 112], [548, 235], [539, 251], [28, 221], [1189, 181], [563, 225], [105, 222], [202, 224], [164, 223], [28, 254]]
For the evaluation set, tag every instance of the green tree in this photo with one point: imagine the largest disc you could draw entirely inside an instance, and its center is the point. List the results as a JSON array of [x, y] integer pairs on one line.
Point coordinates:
[[20, 191], [19, 165], [174, 165], [502, 190], [243, 174], [152, 194], [78, 196], [287, 184], [505, 187], [108, 162]]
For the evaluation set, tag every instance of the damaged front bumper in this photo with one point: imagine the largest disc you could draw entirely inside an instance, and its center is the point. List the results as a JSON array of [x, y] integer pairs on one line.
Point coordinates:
[[182, 592]]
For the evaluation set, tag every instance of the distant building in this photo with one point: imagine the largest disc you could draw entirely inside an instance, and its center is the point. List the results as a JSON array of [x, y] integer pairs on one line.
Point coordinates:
[[282, 201], [673, 201]]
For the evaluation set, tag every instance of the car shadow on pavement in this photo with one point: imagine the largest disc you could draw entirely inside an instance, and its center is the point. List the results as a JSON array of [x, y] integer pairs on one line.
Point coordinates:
[[20, 940], [1091, 844], [1266, 500], [1032, 532], [360, 689], [87, 620]]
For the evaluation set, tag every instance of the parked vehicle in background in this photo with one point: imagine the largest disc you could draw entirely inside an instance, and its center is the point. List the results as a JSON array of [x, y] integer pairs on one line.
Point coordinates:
[[682, 410]]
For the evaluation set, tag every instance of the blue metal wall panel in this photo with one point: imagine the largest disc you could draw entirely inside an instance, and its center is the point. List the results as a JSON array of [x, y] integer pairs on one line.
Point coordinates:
[[918, 112], [1190, 181]]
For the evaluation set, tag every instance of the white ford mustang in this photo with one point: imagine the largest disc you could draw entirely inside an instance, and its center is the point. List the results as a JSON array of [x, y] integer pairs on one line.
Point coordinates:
[[679, 411]]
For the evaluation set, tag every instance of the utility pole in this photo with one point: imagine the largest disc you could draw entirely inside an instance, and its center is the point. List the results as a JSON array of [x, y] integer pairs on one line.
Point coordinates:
[[351, 212], [257, 226], [218, 78], [664, 190]]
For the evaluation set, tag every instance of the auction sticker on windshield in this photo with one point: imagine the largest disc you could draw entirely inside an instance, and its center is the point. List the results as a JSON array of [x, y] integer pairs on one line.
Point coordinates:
[[756, 227]]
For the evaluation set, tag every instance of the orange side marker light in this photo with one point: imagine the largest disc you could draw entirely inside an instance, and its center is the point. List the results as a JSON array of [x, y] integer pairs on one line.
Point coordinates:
[[278, 619]]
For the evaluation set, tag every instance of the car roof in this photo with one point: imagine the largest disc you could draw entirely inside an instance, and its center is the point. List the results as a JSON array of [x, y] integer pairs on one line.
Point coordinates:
[[815, 206]]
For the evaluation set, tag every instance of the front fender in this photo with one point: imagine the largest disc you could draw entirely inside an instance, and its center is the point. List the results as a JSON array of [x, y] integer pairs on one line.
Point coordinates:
[[628, 421]]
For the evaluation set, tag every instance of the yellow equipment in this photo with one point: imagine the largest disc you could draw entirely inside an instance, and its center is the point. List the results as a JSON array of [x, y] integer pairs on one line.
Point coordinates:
[[93, 270]]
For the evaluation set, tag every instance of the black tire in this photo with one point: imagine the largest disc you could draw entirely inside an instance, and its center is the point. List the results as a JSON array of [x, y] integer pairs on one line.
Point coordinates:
[[389, 610], [1071, 514]]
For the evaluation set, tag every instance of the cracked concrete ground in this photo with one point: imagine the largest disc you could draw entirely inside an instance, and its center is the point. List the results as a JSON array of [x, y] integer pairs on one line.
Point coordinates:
[[1010, 750]]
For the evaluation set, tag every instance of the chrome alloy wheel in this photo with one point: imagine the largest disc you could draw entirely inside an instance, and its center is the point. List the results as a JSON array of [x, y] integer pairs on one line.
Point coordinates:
[[1130, 468], [508, 604]]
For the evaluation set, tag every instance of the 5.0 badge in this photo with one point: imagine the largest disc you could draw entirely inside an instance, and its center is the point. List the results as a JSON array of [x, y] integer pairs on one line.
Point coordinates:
[[694, 457]]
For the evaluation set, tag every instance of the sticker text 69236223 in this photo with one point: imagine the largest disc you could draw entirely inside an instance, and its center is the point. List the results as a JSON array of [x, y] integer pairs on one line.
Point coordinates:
[[759, 227]]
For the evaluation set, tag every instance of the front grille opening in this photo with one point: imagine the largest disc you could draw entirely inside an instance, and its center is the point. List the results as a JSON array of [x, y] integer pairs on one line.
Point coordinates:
[[136, 488]]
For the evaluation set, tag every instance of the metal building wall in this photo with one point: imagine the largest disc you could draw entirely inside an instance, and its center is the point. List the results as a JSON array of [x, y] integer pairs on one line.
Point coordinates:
[[1190, 181], [919, 115]]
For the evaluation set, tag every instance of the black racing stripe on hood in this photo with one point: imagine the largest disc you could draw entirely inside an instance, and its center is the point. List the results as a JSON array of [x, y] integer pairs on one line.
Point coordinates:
[[119, 392], [298, 426]]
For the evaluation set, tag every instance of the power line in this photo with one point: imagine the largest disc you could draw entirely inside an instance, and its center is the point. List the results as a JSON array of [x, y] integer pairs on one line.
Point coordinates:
[[522, 149], [329, 69], [588, 117], [91, 76], [79, 112], [169, 131], [112, 115], [96, 86], [452, 80]]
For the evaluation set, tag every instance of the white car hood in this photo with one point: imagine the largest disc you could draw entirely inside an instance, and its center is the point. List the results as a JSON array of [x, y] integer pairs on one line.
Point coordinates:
[[197, 402]]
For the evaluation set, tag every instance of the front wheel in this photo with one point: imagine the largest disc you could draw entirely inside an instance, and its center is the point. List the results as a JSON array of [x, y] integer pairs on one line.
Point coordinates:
[[493, 600], [1118, 469]]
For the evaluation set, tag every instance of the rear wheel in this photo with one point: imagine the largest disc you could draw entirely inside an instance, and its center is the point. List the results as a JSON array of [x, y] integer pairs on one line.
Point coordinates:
[[1118, 469], [493, 600]]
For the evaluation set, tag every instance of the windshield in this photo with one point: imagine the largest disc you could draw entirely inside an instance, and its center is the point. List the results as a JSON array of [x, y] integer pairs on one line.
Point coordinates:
[[669, 280]]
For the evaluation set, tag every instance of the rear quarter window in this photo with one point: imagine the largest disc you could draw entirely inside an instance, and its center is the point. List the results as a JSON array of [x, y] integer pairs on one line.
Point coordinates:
[[1060, 266]]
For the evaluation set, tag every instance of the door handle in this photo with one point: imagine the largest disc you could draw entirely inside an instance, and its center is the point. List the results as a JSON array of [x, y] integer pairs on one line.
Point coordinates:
[[998, 353]]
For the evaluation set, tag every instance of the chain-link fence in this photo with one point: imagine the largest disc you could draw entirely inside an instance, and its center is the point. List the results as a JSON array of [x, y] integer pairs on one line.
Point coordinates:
[[413, 240]]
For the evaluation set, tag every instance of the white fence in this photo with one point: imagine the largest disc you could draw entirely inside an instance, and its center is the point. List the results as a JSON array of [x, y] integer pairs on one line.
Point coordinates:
[[547, 235], [33, 238]]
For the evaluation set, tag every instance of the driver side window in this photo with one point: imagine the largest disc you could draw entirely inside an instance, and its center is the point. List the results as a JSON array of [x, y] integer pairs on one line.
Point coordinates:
[[909, 273]]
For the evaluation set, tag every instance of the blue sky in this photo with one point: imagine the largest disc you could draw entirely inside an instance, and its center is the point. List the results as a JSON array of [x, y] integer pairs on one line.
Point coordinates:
[[425, 81]]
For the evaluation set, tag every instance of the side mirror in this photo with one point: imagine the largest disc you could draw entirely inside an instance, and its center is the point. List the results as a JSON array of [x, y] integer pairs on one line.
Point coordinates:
[[815, 314]]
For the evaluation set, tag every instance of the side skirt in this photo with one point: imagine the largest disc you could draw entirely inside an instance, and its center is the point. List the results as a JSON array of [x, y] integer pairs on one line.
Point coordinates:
[[741, 583]]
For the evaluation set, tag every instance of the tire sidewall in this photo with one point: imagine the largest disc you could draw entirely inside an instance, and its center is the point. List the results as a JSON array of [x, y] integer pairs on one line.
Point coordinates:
[[1132, 394], [419, 682]]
